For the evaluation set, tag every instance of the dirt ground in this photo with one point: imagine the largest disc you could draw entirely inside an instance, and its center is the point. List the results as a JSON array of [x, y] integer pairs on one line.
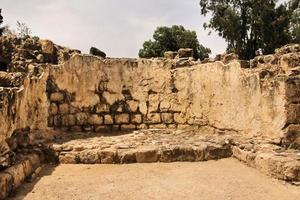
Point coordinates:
[[225, 179]]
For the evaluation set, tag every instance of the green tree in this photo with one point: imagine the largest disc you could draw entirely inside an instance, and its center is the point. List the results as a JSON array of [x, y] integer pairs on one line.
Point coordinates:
[[294, 8], [172, 39], [1, 21], [248, 25]]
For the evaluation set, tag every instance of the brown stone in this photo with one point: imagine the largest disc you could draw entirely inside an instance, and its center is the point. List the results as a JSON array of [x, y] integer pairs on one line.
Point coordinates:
[[100, 108], [136, 118], [108, 119], [153, 118], [47, 46], [68, 120], [133, 105], [167, 118], [95, 119], [53, 110], [179, 118], [164, 106], [184, 53], [147, 155], [57, 96], [89, 157], [170, 54], [81, 118], [64, 108], [122, 118], [128, 127]]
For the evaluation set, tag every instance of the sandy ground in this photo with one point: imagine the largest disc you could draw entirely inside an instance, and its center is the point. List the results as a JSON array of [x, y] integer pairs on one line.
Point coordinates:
[[225, 179]]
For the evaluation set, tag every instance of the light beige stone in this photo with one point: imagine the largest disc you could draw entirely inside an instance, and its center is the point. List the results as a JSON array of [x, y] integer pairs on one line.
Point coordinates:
[[136, 118], [102, 108], [179, 118], [95, 119], [64, 108], [133, 105], [153, 118], [57, 96], [167, 118], [108, 119], [53, 110], [122, 118]]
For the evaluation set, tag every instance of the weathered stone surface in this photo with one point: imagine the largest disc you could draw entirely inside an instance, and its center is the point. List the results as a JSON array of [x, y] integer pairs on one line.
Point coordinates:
[[95, 119], [170, 54], [57, 97], [96, 52], [183, 53], [147, 155], [122, 118], [64, 108], [167, 118], [108, 119], [136, 119], [153, 118]]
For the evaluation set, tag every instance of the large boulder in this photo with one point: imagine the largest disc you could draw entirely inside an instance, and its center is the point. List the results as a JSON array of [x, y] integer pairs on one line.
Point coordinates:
[[96, 52], [48, 47], [185, 53]]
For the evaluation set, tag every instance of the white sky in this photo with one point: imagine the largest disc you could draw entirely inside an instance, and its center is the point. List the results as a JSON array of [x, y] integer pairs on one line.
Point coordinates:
[[118, 27]]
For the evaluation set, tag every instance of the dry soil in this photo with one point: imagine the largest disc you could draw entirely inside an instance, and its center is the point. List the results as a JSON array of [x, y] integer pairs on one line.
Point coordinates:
[[225, 179]]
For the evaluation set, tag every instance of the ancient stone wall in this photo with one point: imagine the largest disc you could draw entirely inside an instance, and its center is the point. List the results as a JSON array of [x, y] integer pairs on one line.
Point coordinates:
[[93, 94]]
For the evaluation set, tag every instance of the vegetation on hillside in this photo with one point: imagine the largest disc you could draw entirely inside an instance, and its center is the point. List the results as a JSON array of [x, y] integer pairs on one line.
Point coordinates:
[[249, 25], [172, 39]]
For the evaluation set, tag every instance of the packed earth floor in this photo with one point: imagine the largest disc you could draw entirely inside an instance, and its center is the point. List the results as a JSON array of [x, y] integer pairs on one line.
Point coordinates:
[[225, 179]]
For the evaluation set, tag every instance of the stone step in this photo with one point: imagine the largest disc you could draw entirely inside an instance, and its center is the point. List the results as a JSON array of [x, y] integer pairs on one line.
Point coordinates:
[[143, 146]]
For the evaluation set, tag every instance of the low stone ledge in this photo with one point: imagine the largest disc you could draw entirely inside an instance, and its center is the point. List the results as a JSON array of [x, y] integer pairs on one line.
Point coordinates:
[[12, 177], [281, 165]]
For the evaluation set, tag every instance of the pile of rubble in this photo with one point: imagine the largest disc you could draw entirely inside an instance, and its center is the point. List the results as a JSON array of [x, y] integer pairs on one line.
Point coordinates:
[[19, 56]]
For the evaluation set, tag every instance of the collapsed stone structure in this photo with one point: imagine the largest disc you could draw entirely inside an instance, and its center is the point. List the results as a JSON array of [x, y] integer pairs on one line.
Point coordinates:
[[200, 111]]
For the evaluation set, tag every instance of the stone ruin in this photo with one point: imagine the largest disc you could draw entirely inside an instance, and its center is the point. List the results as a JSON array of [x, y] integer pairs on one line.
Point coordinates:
[[60, 106]]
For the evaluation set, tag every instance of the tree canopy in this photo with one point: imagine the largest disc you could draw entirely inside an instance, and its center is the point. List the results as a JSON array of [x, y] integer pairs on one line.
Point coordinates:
[[1, 21], [248, 25], [172, 39]]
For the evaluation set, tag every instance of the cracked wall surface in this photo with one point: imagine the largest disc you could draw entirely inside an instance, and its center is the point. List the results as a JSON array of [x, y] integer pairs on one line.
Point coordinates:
[[88, 93]]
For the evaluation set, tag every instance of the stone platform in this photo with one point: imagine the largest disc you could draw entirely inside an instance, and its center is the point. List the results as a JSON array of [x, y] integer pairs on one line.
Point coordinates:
[[141, 146]]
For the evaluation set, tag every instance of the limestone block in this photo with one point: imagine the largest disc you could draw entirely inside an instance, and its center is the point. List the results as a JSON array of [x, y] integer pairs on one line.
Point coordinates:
[[128, 127], [172, 126], [100, 108], [157, 126], [53, 110], [143, 108], [81, 118], [136, 118], [133, 106], [57, 96], [293, 114], [142, 126], [68, 120], [153, 103], [47, 46], [68, 158], [179, 118], [95, 119], [88, 128], [153, 118], [147, 155], [170, 54], [102, 128], [76, 128], [167, 118], [108, 156], [108, 119], [127, 156], [89, 156], [64, 108], [122, 118], [184, 53], [57, 121], [164, 106]]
